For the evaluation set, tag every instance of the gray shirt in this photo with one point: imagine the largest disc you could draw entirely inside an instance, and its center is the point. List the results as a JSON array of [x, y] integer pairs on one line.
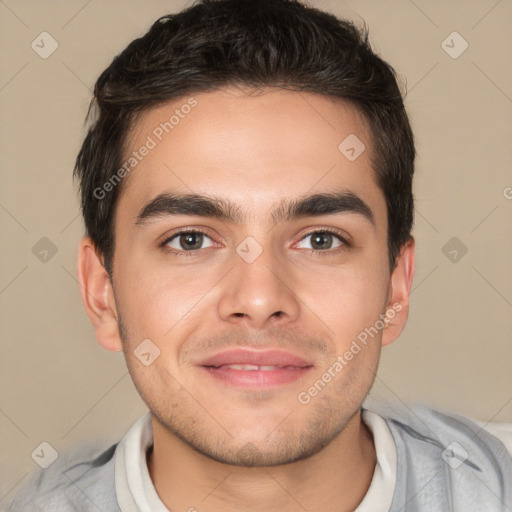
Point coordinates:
[[441, 462]]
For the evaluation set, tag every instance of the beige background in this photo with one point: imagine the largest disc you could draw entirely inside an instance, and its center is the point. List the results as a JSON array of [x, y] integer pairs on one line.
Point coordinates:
[[57, 385]]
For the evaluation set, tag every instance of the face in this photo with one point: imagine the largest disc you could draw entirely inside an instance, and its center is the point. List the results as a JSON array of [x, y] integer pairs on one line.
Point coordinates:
[[256, 275]]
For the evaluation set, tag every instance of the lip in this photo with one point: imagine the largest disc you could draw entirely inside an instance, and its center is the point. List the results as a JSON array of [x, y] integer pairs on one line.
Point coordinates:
[[256, 379], [289, 368], [271, 357]]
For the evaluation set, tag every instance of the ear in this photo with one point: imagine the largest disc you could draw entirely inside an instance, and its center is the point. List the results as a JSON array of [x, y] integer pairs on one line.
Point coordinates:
[[399, 290], [98, 296]]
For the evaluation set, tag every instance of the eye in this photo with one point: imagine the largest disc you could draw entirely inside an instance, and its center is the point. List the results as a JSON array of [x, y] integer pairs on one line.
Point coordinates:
[[323, 240], [188, 241]]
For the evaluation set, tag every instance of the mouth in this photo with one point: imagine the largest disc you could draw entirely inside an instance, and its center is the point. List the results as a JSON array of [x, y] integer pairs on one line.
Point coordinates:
[[257, 369]]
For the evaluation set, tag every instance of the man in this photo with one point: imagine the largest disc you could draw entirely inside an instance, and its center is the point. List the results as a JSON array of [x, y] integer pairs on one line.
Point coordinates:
[[246, 185]]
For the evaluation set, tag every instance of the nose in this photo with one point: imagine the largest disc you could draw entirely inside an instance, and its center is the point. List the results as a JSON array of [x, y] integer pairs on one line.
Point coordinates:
[[258, 293]]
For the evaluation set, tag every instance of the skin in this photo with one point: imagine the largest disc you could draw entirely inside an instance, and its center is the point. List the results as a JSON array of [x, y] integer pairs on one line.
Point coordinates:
[[217, 447]]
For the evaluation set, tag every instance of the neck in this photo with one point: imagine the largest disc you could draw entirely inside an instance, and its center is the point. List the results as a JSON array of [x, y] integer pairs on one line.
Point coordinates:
[[334, 479]]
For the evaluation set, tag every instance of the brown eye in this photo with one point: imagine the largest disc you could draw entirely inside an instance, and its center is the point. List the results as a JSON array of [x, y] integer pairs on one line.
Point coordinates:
[[323, 240], [192, 241], [187, 241]]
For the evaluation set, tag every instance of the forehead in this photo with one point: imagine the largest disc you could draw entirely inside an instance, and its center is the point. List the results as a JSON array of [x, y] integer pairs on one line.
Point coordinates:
[[252, 147]]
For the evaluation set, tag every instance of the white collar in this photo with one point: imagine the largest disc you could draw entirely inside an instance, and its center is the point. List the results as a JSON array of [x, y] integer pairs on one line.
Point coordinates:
[[136, 492]]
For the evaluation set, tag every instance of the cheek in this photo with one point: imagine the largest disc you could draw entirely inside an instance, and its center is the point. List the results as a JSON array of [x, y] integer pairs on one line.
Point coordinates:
[[153, 301], [347, 300]]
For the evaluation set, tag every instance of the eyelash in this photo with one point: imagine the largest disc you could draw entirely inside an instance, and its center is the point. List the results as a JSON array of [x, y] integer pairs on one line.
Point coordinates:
[[346, 244]]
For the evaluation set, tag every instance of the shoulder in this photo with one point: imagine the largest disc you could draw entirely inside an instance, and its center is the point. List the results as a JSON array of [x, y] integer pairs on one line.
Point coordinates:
[[436, 427], [443, 457], [451, 434], [457, 453], [503, 431], [80, 479]]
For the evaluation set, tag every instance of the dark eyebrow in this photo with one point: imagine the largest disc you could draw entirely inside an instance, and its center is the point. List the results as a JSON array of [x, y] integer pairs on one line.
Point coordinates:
[[287, 209]]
